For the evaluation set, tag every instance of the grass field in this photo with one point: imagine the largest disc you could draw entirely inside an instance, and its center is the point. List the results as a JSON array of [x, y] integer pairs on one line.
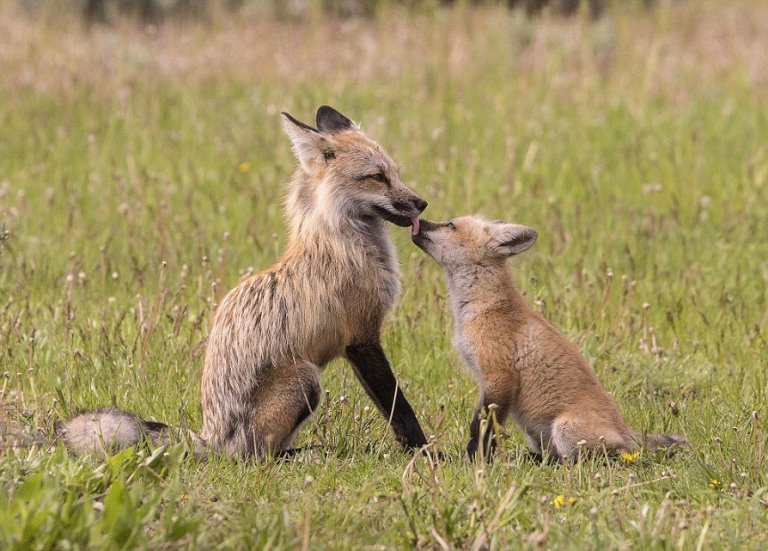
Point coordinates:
[[141, 174]]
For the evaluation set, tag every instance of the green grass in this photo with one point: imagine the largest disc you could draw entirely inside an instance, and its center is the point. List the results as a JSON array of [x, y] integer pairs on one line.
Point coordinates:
[[635, 145]]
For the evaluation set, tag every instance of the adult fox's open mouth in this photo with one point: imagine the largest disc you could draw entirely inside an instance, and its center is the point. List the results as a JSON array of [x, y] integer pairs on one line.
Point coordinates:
[[402, 220]]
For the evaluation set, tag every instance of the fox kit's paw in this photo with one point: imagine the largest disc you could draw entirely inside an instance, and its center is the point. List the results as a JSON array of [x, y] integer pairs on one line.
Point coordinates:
[[475, 453], [573, 436]]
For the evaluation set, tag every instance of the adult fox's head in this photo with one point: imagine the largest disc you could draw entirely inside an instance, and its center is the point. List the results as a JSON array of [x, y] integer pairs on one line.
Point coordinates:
[[348, 175], [472, 241]]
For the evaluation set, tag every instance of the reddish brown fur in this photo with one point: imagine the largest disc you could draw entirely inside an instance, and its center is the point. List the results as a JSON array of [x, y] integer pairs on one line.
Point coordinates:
[[524, 366]]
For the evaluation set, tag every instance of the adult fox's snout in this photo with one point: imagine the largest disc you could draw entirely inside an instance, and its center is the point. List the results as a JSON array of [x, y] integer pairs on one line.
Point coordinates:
[[403, 211], [412, 205]]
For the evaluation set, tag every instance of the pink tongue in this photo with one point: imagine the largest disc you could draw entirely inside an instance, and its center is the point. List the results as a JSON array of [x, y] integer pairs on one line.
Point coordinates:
[[415, 225]]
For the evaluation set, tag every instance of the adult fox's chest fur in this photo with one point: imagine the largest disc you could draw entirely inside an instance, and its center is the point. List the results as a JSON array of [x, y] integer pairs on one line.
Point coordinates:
[[320, 298]]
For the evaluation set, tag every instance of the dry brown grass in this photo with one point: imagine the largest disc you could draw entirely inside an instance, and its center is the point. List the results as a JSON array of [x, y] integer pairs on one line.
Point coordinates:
[[683, 46]]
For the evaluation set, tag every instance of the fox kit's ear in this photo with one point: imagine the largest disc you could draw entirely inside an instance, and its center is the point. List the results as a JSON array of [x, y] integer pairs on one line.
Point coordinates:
[[330, 121], [510, 239], [308, 144]]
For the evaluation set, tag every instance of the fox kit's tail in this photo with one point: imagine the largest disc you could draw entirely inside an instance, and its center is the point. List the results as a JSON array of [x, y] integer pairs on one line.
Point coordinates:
[[658, 441], [105, 430]]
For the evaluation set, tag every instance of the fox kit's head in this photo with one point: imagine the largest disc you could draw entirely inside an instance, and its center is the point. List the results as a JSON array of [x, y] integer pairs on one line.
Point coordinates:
[[471, 241], [349, 176]]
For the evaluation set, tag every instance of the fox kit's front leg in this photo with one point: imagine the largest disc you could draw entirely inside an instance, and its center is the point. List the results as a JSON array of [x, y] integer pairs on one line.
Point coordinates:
[[372, 368], [493, 409]]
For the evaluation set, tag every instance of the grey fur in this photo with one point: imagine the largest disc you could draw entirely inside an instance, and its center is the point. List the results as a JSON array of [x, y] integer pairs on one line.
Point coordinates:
[[109, 430]]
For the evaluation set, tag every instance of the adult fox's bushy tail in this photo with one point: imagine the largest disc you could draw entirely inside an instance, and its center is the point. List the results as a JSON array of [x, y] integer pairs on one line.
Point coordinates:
[[115, 429]]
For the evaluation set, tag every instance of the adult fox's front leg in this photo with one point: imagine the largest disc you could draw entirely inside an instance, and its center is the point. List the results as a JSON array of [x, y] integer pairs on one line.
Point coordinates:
[[372, 368]]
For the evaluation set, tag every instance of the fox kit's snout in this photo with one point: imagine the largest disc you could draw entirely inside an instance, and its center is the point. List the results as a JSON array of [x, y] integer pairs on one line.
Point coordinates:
[[526, 369], [470, 241]]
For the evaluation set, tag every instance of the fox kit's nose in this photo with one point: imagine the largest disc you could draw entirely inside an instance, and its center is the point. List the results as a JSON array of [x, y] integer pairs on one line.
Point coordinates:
[[420, 204], [427, 225]]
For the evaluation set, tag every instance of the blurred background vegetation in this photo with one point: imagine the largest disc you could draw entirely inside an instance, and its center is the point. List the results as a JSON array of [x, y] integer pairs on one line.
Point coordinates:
[[158, 11], [141, 175]]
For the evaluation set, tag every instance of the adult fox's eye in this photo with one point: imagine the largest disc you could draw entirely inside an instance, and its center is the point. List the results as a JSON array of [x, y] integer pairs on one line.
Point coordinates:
[[380, 177], [451, 225]]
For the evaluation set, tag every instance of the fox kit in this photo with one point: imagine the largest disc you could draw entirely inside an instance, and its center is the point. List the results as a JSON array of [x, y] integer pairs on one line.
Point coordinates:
[[523, 364], [327, 296]]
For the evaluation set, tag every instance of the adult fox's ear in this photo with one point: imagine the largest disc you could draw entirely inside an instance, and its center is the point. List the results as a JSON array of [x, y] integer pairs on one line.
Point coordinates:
[[511, 239], [330, 121], [308, 144]]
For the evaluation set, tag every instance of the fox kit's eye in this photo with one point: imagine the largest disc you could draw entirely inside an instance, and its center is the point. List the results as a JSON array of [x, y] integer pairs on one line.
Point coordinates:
[[450, 226]]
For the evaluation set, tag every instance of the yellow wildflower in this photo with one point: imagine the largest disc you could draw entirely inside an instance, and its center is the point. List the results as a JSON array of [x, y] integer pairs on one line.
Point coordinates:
[[244, 167], [714, 483], [561, 501], [629, 457]]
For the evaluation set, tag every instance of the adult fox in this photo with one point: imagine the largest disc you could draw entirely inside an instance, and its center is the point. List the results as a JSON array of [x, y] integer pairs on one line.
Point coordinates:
[[327, 296]]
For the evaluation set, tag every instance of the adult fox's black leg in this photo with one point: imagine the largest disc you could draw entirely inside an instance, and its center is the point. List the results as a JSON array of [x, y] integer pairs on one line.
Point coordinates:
[[372, 368]]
